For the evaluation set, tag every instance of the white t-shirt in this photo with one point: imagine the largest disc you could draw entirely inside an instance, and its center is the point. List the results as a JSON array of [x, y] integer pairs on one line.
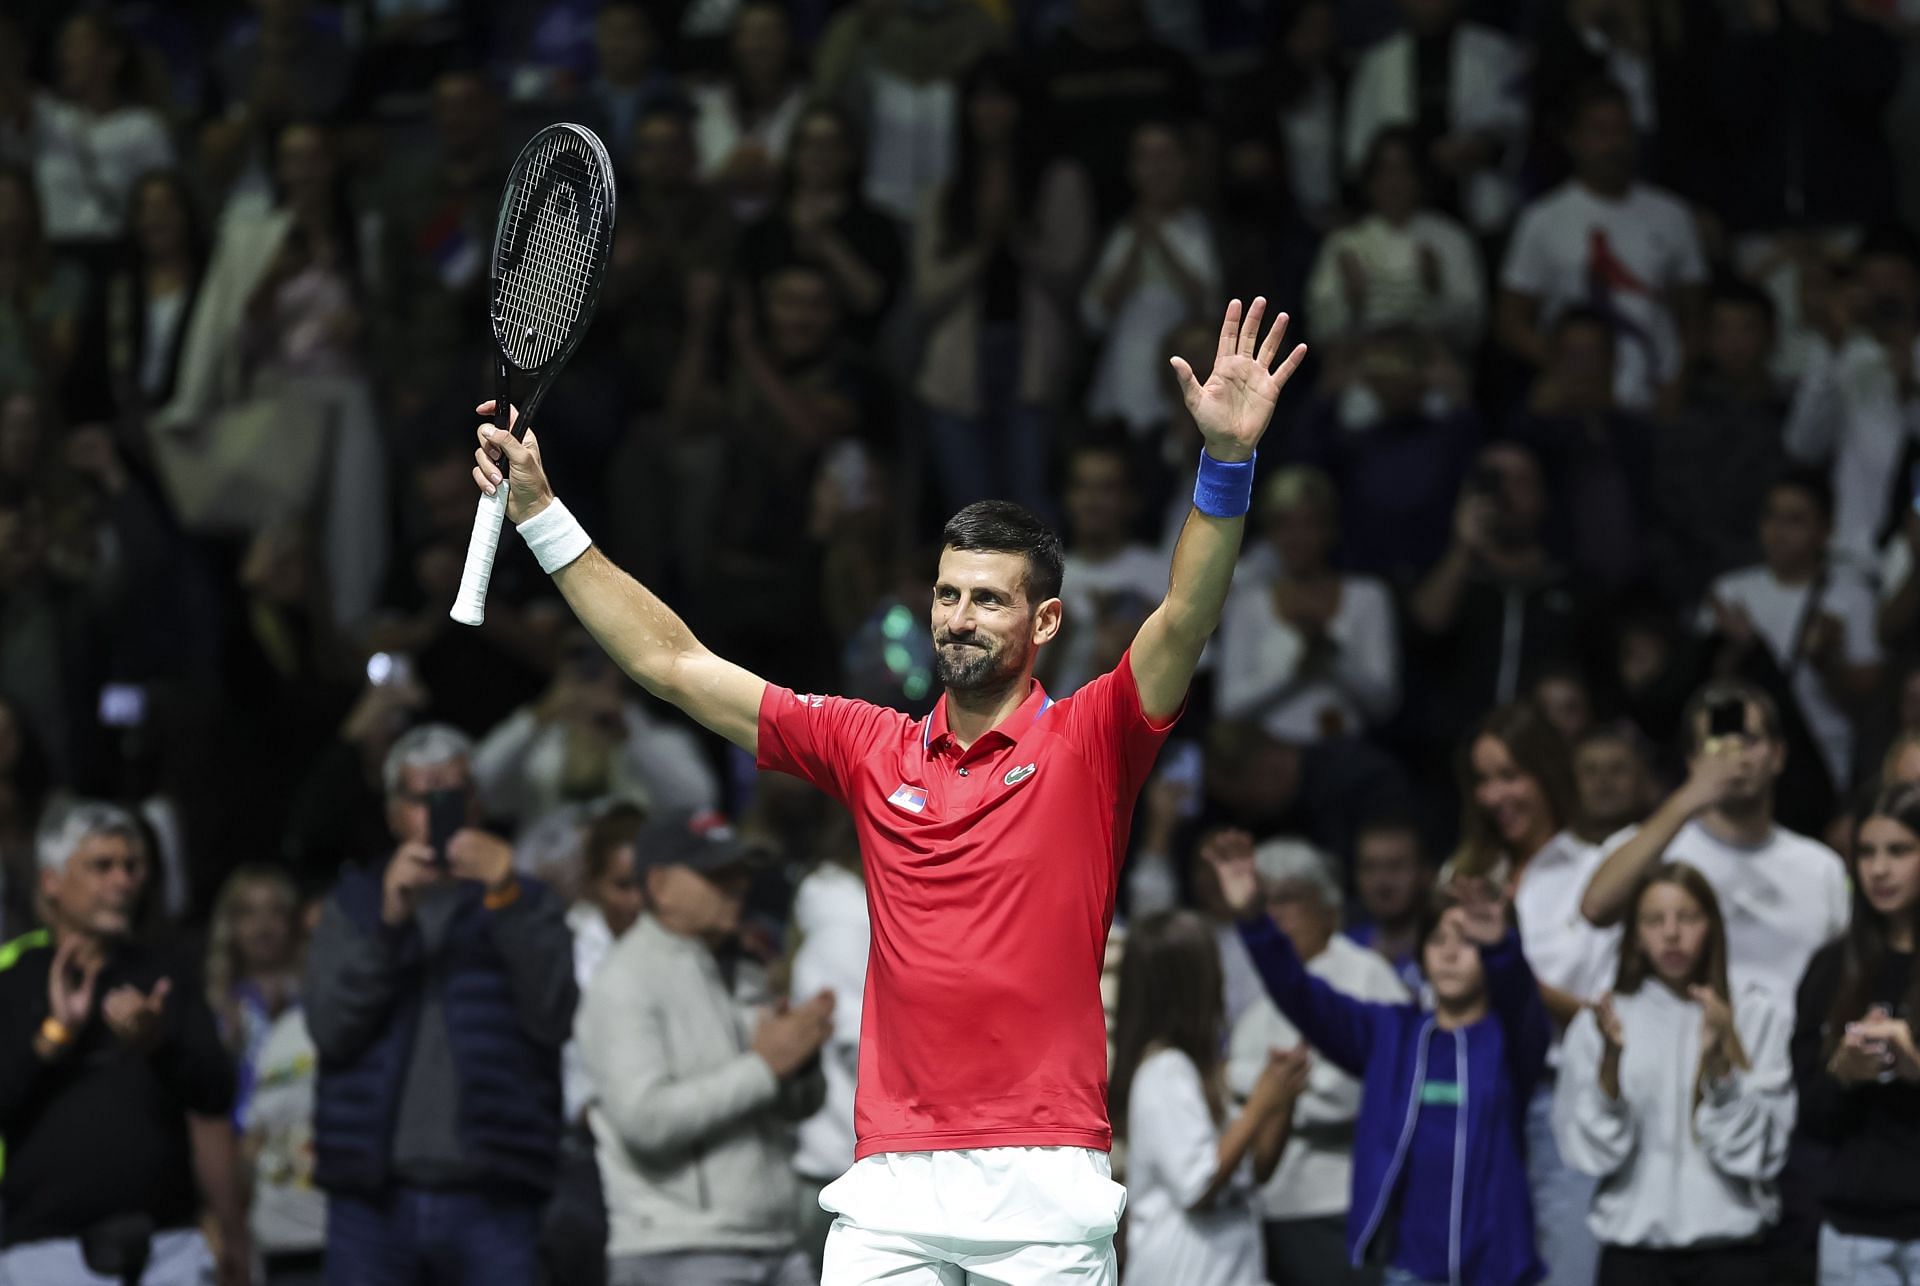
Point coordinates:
[[1782, 901], [1574, 247], [1173, 1148], [1261, 653], [1129, 382], [1776, 610], [288, 1213], [85, 166], [1562, 947], [1137, 573], [1315, 1172]]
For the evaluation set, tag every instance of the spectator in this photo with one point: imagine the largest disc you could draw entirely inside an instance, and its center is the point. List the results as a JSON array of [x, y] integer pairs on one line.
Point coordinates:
[[93, 140], [1110, 583], [1455, 83], [1322, 791], [42, 298], [1853, 410], [831, 921], [1854, 1060], [574, 1238], [46, 620], [1396, 452], [629, 75], [1598, 458], [289, 1214], [590, 736], [1731, 425], [23, 789], [1102, 79], [1611, 782], [1304, 650], [1393, 884], [745, 122], [1561, 693], [694, 1102], [670, 228], [1676, 1092], [1296, 102], [1158, 268], [997, 253], [1784, 895], [1605, 240], [1192, 1174], [1497, 605], [821, 219], [1401, 264], [1517, 809], [145, 306], [439, 992], [111, 1052], [1303, 1205], [254, 953], [1412, 1141], [903, 70], [1812, 617]]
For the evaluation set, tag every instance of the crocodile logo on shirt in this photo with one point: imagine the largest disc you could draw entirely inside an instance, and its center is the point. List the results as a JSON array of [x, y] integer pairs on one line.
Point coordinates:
[[1018, 775]]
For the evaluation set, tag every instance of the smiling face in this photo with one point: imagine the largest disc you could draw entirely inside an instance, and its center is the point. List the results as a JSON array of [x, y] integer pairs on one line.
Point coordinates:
[[1512, 799], [985, 631], [1671, 928]]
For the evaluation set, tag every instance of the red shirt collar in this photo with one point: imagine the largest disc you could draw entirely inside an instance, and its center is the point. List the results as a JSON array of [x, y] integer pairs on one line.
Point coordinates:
[[939, 736]]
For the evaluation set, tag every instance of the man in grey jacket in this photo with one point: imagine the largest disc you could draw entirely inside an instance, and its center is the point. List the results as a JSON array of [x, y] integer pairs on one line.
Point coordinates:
[[697, 1081]]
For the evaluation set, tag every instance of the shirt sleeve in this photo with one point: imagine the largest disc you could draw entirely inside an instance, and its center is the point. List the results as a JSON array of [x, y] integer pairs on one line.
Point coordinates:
[[1172, 1139], [1105, 719], [1527, 270], [819, 739]]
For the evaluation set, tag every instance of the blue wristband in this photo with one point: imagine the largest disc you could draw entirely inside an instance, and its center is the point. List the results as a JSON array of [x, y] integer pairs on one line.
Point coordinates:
[[1223, 490]]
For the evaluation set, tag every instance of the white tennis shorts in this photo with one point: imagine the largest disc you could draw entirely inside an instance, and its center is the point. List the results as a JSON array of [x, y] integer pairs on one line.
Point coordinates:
[[975, 1217]]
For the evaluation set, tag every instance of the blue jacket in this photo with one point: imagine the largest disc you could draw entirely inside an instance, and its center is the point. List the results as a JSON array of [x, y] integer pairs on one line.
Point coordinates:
[[1489, 1225], [508, 1080]]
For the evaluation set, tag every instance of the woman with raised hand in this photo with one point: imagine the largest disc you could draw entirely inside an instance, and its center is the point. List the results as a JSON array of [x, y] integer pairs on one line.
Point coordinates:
[[1439, 1166], [1855, 1062], [1678, 1097]]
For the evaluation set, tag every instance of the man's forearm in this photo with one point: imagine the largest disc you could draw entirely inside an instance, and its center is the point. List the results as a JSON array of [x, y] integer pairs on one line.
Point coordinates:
[[216, 1166], [1605, 900], [1203, 563], [644, 636]]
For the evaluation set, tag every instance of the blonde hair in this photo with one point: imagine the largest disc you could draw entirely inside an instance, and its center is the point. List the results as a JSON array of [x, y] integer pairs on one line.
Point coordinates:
[[223, 953]]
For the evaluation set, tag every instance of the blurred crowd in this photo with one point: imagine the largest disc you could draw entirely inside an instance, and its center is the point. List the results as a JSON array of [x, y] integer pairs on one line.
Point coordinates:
[[1584, 543]]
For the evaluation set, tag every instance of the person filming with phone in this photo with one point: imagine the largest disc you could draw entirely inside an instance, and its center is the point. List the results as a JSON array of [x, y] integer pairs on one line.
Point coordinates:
[[439, 991]]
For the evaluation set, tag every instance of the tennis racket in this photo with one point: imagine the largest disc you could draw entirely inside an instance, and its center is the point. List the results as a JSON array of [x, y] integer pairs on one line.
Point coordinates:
[[549, 255]]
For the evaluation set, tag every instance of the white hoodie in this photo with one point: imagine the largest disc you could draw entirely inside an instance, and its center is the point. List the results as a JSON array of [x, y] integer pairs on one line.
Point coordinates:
[[1671, 1174], [830, 913]]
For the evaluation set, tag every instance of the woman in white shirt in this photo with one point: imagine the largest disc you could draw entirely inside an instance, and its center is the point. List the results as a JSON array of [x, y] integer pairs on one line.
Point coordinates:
[[1678, 1097], [1401, 265], [1304, 650], [1192, 1176], [744, 124]]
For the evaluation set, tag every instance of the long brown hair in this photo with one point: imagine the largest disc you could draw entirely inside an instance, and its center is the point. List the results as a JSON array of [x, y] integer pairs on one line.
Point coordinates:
[[1711, 969], [1170, 998], [1864, 947], [1539, 751]]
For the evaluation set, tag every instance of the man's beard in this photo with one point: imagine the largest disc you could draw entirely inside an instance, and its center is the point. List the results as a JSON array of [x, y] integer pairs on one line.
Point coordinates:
[[971, 667]]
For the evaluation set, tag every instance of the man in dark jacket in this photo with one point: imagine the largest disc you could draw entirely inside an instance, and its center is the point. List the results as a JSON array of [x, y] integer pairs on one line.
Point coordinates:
[[439, 991]]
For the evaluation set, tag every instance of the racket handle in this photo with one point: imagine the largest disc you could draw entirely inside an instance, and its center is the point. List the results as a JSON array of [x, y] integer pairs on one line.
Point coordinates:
[[470, 607]]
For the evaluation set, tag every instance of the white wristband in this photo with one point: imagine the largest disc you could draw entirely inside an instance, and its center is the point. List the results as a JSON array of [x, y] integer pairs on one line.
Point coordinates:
[[555, 536]]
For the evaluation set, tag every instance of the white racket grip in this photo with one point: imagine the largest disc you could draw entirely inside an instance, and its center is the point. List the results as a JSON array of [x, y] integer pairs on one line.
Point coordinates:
[[470, 607]]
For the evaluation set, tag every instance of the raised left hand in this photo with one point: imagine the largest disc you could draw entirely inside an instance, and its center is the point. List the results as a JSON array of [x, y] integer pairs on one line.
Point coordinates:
[[1233, 407], [135, 1016]]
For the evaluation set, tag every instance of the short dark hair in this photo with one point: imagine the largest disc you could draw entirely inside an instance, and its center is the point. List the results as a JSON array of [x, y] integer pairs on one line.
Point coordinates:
[[1813, 483], [1727, 690], [1595, 92], [614, 830], [1003, 527], [1744, 294]]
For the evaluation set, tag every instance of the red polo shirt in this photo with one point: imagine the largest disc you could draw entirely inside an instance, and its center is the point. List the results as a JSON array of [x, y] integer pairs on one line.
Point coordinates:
[[990, 877]]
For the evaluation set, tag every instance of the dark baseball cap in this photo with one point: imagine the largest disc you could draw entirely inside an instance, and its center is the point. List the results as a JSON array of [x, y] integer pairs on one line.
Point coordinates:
[[702, 840]]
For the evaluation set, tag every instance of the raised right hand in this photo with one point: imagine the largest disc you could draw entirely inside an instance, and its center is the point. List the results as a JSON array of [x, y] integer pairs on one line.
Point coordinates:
[[412, 869], [791, 1035], [1230, 854], [1712, 773], [529, 492], [70, 984]]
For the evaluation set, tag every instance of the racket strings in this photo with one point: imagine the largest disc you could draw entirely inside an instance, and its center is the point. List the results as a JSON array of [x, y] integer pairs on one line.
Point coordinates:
[[546, 265]]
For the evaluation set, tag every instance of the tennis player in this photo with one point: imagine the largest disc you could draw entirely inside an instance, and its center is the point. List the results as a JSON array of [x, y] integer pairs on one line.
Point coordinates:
[[992, 832]]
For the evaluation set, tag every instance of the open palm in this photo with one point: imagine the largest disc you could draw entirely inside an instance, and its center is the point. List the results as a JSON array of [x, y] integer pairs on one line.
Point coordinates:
[[1233, 407]]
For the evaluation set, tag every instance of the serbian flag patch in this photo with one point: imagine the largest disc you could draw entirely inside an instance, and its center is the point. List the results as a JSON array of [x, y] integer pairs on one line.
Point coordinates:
[[911, 798]]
